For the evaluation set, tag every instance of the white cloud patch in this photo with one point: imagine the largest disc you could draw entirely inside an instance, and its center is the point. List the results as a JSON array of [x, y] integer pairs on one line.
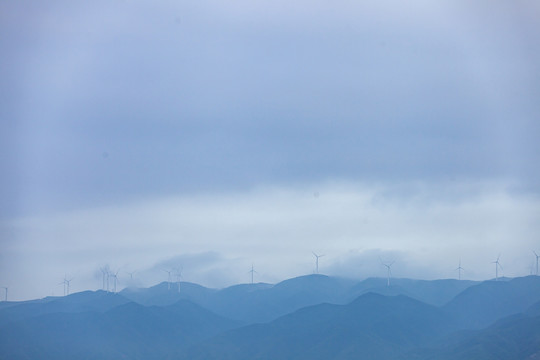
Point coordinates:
[[424, 228]]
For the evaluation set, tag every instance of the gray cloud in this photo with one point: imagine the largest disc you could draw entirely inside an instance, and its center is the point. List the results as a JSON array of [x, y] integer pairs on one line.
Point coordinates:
[[205, 97]]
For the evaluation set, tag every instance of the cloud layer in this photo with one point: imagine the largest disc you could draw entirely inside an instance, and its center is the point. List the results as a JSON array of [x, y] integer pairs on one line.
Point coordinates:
[[113, 100], [425, 229]]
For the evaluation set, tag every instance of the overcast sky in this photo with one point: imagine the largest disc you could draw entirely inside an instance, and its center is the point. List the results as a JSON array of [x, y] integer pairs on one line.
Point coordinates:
[[211, 135]]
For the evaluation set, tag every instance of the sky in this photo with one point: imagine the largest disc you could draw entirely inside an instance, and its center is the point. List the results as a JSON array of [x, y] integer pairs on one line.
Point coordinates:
[[210, 136]]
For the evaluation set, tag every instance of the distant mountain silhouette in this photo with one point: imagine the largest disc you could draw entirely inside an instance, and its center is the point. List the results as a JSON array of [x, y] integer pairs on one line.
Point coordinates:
[[371, 327], [434, 292], [128, 331], [256, 303], [308, 317], [166, 294], [482, 304], [534, 309], [263, 303], [250, 303], [7, 304], [516, 337], [98, 301]]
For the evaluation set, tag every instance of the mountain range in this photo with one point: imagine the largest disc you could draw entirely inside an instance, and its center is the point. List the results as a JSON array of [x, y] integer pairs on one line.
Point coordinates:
[[262, 302], [315, 316]]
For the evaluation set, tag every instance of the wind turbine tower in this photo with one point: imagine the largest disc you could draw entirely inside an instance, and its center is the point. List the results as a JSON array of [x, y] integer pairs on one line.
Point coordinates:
[[63, 283], [459, 269], [537, 256], [168, 279], [178, 277], [115, 276], [131, 275], [317, 262], [105, 273], [66, 284], [388, 271], [5, 288], [497, 266], [252, 271]]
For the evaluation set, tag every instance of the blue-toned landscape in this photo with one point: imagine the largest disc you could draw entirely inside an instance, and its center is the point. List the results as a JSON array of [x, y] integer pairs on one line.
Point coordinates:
[[313, 316], [271, 180]]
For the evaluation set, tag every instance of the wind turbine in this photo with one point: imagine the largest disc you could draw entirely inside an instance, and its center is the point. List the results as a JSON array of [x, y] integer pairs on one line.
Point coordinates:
[[497, 265], [459, 269], [131, 275], [389, 272], [5, 288], [252, 271], [537, 256], [115, 276], [168, 279], [63, 283], [317, 262], [66, 284], [178, 277], [105, 273]]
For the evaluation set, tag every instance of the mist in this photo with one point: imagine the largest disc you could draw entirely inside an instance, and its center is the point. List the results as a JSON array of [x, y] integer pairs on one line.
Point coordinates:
[[425, 229]]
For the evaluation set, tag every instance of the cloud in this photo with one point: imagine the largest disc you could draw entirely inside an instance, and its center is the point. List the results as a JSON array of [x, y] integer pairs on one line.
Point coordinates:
[[210, 268], [246, 93], [215, 238]]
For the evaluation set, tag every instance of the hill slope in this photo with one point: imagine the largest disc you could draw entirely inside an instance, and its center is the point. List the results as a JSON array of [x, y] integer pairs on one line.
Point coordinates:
[[98, 301], [480, 305], [371, 327], [129, 331], [256, 303]]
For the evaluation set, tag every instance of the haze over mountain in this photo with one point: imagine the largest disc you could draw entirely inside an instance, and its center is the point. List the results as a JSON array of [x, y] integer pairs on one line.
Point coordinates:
[[515, 337], [128, 331], [371, 327], [480, 305], [492, 318], [98, 301], [379, 327], [264, 302]]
